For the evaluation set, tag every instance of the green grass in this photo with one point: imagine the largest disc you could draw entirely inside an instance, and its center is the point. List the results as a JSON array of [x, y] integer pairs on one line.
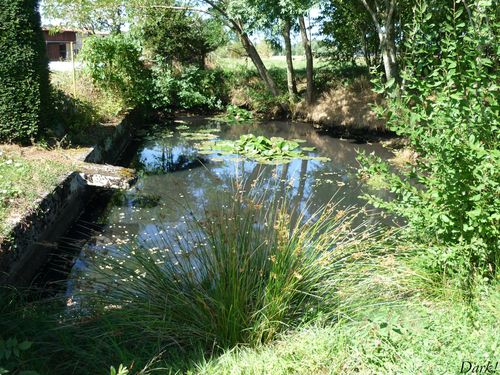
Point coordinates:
[[106, 107], [415, 328], [420, 337], [22, 182]]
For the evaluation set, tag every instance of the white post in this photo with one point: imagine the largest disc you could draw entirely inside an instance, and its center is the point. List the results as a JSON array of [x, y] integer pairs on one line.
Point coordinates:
[[72, 54]]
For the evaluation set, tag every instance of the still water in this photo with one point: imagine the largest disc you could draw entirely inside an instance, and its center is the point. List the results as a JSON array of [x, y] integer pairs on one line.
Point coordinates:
[[175, 178]]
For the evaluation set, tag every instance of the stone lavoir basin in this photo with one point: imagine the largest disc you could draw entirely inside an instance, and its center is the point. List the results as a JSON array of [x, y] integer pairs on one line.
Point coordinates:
[[177, 175]]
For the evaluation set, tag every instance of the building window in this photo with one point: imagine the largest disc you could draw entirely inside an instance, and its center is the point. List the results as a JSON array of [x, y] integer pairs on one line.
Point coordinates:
[[62, 51]]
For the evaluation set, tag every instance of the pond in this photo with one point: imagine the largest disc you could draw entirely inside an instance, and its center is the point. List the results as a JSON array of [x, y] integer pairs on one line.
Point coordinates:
[[175, 177]]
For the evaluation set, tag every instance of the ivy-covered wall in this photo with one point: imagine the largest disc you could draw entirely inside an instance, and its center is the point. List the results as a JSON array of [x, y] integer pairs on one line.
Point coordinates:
[[24, 75]]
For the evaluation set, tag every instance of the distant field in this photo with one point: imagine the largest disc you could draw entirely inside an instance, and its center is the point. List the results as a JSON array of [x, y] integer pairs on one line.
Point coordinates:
[[299, 62]]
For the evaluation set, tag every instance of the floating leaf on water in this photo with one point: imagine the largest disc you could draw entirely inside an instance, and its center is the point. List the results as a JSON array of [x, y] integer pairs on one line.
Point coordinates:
[[275, 150], [308, 149], [319, 158], [198, 136], [236, 160], [182, 127], [273, 161], [208, 131]]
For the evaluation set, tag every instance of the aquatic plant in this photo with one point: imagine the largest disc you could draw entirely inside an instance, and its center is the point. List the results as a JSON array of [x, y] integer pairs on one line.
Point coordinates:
[[243, 273], [265, 150], [235, 114]]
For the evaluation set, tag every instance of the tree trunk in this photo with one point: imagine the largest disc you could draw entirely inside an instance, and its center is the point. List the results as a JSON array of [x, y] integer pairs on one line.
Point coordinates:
[[388, 49], [309, 60], [257, 61], [202, 61], [385, 30], [391, 47], [292, 86]]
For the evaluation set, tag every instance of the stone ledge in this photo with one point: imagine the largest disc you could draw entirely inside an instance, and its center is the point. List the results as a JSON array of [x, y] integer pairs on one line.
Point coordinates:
[[108, 176], [22, 252]]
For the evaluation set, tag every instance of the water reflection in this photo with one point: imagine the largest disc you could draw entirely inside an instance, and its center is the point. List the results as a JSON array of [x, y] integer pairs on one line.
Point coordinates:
[[175, 180]]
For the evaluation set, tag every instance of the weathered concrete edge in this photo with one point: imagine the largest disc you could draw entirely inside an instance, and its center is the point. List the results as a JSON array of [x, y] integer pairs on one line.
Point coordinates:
[[24, 250]]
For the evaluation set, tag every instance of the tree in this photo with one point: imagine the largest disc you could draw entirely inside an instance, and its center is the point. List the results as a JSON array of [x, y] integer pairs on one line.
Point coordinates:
[[291, 82], [24, 76], [235, 14], [309, 60], [88, 15], [180, 36], [285, 12], [383, 14], [240, 16], [339, 21], [278, 18]]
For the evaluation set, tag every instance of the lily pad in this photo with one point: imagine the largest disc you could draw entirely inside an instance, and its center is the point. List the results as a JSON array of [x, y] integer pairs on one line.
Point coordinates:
[[275, 150], [198, 136], [308, 149]]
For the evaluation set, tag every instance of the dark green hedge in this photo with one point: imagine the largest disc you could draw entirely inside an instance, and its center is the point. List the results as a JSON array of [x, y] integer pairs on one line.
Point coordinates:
[[24, 76]]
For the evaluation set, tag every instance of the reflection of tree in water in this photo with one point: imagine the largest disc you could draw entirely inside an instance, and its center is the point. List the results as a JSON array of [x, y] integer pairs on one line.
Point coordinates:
[[164, 158]]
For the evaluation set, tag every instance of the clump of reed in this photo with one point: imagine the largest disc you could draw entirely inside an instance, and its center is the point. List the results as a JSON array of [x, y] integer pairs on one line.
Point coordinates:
[[251, 268]]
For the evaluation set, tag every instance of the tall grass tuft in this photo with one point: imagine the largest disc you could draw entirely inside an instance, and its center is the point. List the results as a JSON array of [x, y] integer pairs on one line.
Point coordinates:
[[243, 273]]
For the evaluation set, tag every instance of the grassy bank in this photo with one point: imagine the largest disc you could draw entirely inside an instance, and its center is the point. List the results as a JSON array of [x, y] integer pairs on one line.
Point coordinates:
[[427, 329], [85, 118], [343, 97], [420, 337], [23, 180]]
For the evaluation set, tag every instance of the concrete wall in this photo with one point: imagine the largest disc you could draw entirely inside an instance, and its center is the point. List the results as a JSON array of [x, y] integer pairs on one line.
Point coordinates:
[[28, 246]]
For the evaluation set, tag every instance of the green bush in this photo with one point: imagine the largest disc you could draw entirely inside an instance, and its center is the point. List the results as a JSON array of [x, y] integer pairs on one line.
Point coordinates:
[[448, 111], [191, 88], [248, 90], [24, 77], [114, 63], [73, 114]]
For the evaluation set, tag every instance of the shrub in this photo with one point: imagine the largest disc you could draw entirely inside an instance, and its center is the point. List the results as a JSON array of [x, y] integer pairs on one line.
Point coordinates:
[[448, 111], [190, 88], [24, 77], [73, 113], [248, 90], [240, 275], [106, 105], [114, 63]]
